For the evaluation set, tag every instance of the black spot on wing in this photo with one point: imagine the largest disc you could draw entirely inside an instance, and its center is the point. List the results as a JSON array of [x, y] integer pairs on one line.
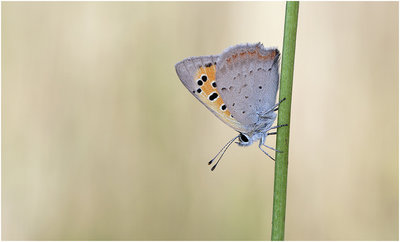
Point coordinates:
[[213, 96]]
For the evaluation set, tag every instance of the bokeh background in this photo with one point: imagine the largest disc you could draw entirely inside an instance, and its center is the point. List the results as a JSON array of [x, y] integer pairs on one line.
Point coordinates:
[[101, 141]]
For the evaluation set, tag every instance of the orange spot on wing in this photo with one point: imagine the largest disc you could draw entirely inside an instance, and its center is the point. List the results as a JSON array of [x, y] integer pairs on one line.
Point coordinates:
[[207, 89], [271, 55], [254, 53], [210, 72], [261, 57]]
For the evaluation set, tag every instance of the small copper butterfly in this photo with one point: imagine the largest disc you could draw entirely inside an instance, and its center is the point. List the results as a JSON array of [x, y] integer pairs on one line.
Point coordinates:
[[239, 86]]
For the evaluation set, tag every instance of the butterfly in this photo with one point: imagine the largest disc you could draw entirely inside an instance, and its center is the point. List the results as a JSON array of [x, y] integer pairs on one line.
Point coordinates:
[[239, 86]]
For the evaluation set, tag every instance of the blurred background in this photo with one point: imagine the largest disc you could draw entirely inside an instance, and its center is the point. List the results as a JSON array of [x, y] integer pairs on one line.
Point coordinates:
[[101, 141]]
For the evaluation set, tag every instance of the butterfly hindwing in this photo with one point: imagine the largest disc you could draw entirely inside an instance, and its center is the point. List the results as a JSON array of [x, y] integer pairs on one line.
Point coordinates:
[[247, 77], [198, 76]]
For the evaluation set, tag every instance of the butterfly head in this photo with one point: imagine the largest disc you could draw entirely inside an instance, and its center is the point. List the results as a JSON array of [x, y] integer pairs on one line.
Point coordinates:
[[245, 140]]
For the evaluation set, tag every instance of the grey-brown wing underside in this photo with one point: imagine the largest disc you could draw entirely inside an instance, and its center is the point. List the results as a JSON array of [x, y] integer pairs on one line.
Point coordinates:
[[198, 76], [247, 78]]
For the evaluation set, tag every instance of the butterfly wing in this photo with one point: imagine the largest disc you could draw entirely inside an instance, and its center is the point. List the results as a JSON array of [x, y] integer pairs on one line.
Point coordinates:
[[198, 76], [247, 77]]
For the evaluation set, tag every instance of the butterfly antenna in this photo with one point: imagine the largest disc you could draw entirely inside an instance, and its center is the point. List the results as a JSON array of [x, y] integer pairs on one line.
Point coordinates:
[[223, 150], [212, 160], [214, 166]]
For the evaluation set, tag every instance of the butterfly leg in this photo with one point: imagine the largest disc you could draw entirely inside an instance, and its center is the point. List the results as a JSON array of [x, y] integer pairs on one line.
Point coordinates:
[[272, 148], [259, 146], [278, 126], [275, 107], [262, 140], [262, 143]]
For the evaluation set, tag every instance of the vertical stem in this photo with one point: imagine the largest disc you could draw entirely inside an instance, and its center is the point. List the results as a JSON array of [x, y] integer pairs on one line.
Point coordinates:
[[282, 139]]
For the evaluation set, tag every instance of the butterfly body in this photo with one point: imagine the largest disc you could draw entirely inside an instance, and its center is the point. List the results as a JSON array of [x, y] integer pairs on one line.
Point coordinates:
[[239, 86]]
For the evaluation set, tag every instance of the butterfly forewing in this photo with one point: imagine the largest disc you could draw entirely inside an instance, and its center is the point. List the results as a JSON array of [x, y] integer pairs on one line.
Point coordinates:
[[247, 79], [198, 74]]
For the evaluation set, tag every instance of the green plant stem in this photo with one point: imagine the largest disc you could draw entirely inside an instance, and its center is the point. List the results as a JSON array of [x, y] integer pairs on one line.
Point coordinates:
[[282, 139]]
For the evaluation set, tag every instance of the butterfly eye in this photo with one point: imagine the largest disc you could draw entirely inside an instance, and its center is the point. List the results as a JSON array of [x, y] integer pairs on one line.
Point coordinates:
[[243, 138]]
